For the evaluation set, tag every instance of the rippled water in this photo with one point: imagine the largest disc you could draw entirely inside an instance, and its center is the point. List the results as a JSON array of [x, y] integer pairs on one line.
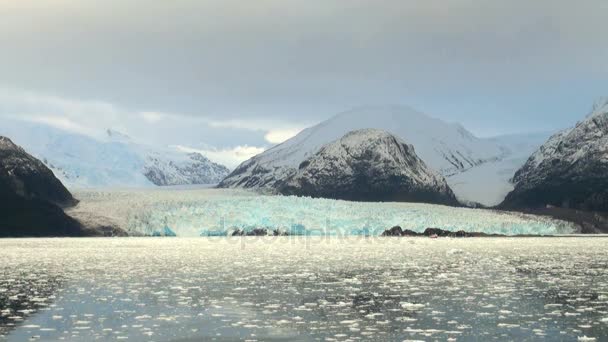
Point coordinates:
[[297, 288]]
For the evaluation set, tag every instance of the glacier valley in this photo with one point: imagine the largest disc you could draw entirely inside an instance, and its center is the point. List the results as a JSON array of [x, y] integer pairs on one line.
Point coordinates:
[[191, 212]]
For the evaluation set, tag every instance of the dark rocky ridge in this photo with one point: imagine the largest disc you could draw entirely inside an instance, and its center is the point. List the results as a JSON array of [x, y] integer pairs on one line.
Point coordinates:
[[259, 232], [27, 177], [398, 231], [567, 178], [31, 197], [569, 171], [368, 165]]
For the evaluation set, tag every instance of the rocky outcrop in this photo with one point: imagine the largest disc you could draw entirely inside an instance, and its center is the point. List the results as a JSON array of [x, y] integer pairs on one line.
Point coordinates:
[[368, 165], [258, 232], [569, 171], [431, 232], [32, 198], [27, 177]]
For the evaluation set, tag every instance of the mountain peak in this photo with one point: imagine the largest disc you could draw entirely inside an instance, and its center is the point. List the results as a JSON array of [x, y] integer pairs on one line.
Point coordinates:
[[6, 143], [368, 165], [366, 133], [381, 112], [447, 148]]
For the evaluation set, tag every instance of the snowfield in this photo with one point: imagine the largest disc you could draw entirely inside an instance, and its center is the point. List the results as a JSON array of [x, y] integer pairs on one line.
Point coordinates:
[[205, 212], [81, 161]]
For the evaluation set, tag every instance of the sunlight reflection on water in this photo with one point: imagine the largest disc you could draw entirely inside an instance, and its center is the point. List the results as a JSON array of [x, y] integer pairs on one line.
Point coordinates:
[[303, 288]]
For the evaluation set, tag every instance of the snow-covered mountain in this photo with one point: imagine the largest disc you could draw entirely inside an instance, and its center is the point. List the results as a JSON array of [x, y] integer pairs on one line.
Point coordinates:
[[569, 170], [182, 169], [114, 161], [368, 165], [445, 147]]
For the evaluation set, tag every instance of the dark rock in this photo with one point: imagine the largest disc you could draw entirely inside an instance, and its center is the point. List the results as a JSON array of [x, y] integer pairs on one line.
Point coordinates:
[[568, 171], [253, 232], [461, 233], [279, 232], [395, 231], [21, 217], [258, 232], [31, 197], [27, 177], [436, 231]]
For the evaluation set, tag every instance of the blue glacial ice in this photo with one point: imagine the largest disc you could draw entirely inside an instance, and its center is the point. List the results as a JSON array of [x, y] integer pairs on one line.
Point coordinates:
[[214, 212]]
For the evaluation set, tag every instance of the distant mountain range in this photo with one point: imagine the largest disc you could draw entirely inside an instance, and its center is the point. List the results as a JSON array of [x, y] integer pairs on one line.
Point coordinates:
[[115, 161], [404, 156], [478, 170]]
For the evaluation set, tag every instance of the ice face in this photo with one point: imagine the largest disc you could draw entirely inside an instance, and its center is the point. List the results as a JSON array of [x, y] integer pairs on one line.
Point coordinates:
[[304, 288], [213, 212]]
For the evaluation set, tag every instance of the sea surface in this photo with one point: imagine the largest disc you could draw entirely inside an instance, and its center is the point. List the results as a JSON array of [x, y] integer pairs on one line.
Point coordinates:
[[304, 289]]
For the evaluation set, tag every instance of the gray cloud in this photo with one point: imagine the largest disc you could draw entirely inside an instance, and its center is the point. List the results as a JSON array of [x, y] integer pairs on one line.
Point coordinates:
[[495, 66]]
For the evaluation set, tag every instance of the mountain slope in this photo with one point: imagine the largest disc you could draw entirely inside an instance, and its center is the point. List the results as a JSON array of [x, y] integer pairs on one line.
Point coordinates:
[[368, 165], [27, 176], [31, 197], [191, 168], [569, 170], [116, 161], [448, 148]]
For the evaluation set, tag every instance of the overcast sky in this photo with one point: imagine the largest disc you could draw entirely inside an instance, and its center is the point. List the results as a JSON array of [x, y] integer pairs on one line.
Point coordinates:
[[238, 76]]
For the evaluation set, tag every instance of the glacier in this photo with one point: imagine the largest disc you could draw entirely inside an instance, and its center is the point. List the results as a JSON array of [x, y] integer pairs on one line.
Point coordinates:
[[114, 160], [216, 212]]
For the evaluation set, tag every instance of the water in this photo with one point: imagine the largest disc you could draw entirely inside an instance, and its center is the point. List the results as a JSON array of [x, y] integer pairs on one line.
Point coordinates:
[[304, 288], [191, 213]]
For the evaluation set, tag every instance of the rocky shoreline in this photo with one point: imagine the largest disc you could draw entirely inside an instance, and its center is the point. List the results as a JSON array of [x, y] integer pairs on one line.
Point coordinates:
[[258, 232], [397, 231]]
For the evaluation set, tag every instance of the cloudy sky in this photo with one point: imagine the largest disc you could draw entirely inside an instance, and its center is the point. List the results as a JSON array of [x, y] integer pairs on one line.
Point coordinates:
[[238, 76]]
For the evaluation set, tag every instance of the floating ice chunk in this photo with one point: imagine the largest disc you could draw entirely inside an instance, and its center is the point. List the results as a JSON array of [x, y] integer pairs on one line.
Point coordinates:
[[411, 306]]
